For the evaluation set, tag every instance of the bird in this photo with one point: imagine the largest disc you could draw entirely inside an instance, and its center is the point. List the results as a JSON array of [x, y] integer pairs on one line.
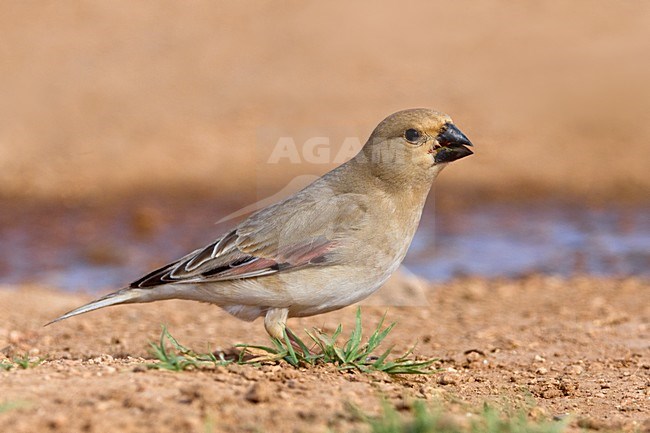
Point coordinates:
[[328, 246]]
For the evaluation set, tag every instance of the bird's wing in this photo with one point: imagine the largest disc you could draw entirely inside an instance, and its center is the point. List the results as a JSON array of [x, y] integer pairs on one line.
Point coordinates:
[[293, 234]]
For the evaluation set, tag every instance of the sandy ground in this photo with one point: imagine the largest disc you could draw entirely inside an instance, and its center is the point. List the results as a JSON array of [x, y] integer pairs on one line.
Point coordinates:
[[578, 346], [104, 98]]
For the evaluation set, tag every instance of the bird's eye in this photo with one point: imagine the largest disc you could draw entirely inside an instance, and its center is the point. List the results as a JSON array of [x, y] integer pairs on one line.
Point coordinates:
[[412, 135]]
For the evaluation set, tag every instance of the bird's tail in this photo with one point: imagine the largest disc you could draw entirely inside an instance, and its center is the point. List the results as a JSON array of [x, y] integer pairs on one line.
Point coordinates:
[[124, 296]]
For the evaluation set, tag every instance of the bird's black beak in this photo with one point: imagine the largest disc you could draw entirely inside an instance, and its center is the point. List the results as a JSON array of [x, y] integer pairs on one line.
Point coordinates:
[[451, 144]]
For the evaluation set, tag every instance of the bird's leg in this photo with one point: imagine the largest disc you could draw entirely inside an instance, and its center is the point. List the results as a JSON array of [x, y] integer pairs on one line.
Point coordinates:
[[275, 322]]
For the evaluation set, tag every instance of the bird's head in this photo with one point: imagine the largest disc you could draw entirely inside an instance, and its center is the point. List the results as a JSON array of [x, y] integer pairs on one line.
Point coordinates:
[[414, 145]]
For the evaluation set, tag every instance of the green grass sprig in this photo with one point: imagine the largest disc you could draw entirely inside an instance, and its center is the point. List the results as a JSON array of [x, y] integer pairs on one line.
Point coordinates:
[[23, 361], [424, 419], [180, 358], [352, 355]]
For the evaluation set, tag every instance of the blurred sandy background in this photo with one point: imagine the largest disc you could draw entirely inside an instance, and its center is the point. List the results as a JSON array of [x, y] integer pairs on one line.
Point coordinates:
[[131, 97]]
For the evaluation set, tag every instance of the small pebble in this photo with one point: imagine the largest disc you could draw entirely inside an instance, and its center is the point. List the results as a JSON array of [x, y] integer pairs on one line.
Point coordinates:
[[448, 379], [259, 393]]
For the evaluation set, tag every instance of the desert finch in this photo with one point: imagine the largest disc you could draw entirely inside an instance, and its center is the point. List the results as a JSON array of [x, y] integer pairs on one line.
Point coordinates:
[[329, 245]]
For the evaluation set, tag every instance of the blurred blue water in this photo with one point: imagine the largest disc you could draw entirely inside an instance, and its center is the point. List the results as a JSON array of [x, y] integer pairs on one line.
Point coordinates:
[[74, 251], [514, 240]]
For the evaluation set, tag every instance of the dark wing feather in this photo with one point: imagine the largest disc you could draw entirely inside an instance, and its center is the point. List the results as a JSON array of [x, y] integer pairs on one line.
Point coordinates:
[[223, 260]]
